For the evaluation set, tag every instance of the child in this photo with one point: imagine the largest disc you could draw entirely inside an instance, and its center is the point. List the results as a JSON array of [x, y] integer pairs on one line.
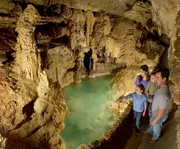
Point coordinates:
[[150, 90], [139, 105]]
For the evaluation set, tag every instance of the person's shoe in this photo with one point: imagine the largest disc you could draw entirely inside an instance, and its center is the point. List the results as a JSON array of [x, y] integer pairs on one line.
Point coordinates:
[[136, 129], [152, 141]]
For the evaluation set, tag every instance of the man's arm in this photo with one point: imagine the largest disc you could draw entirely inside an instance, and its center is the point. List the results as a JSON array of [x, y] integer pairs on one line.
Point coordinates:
[[158, 116]]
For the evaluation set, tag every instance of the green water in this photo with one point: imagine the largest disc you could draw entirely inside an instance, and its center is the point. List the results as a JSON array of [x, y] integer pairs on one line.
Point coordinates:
[[88, 103]]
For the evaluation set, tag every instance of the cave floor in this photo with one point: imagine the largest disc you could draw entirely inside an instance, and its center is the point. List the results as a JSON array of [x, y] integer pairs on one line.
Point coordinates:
[[124, 137], [168, 139]]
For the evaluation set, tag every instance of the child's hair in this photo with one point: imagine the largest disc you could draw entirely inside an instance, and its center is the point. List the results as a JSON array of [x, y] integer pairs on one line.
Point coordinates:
[[141, 87]]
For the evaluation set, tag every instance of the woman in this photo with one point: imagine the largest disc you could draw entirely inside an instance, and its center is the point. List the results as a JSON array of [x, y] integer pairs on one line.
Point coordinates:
[[143, 78]]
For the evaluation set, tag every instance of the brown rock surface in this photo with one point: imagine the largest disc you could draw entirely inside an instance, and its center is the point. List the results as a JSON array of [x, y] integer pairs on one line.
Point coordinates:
[[33, 108], [176, 87], [140, 12], [166, 15], [60, 59], [116, 7]]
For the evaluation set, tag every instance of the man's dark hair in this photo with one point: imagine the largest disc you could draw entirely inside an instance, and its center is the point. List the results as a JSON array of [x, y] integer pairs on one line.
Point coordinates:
[[164, 73], [153, 73], [141, 86]]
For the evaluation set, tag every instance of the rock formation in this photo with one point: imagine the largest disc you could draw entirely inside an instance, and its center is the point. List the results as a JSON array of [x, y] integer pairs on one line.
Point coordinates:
[[33, 108], [93, 43]]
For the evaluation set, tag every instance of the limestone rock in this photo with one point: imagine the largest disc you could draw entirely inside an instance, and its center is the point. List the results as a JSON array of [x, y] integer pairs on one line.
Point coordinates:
[[33, 108], [166, 15], [6, 6], [90, 20], [121, 43], [121, 108], [49, 33], [84, 146], [113, 40], [102, 28], [60, 59], [177, 119], [76, 26], [176, 88], [116, 7], [152, 49], [176, 45], [9, 13], [7, 42], [140, 12], [2, 142], [125, 79], [68, 78], [78, 17]]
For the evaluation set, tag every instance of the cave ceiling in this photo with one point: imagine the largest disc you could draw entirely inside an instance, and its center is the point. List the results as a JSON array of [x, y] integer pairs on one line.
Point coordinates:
[[116, 7]]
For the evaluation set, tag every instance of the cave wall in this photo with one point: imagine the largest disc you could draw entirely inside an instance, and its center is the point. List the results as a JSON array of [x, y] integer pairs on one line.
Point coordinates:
[[116, 42], [64, 34], [116, 7], [33, 108], [167, 16]]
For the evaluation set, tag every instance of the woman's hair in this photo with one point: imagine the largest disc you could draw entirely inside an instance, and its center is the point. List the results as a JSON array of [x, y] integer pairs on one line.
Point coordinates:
[[141, 87], [145, 68]]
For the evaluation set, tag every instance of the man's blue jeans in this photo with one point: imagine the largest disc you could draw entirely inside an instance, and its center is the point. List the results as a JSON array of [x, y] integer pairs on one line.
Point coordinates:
[[156, 130], [138, 115]]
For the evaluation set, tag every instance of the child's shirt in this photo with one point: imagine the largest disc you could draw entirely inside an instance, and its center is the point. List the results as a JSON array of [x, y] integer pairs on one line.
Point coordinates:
[[151, 88], [139, 102], [143, 82]]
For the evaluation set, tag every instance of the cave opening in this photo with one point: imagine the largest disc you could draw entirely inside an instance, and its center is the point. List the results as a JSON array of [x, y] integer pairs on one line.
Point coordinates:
[[88, 61]]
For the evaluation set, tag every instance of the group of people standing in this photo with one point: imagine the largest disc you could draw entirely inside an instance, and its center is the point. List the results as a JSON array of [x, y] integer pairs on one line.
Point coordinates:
[[151, 91]]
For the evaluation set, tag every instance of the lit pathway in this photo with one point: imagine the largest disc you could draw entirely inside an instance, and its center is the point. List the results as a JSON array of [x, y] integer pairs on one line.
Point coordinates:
[[168, 140]]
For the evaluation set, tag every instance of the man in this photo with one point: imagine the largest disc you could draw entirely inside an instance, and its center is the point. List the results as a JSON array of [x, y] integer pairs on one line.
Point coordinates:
[[160, 105]]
